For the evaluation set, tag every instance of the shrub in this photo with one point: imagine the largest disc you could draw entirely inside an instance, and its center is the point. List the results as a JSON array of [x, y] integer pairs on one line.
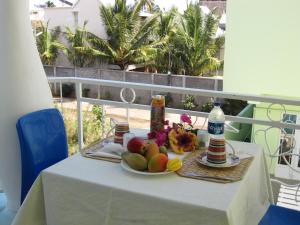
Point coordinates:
[[233, 107], [189, 102], [108, 95], [207, 107]]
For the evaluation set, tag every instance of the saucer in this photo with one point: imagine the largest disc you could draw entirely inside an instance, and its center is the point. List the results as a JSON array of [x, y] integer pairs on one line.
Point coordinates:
[[231, 160]]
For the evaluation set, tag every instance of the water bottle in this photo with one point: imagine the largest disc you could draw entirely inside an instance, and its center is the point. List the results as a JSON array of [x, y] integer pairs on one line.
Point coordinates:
[[216, 121], [216, 152]]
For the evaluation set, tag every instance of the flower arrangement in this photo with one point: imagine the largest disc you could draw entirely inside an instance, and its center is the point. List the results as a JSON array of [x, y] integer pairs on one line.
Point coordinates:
[[179, 137]]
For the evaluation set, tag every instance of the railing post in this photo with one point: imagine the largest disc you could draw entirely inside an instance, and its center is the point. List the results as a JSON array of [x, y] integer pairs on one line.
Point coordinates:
[[61, 97], [79, 115], [152, 82], [54, 74], [98, 86]]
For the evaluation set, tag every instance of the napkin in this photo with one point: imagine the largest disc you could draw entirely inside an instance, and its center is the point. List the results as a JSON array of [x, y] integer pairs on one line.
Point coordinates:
[[109, 150]]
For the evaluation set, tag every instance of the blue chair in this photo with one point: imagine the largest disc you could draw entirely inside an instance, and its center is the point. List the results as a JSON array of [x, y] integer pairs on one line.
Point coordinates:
[[43, 142], [277, 215]]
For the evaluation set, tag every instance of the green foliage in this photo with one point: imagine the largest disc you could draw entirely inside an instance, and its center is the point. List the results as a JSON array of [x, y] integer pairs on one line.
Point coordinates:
[[233, 107], [92, 126], [80, 52], [190, 103], [207, 107], [98, 113], [130, 38], [47, 43], [196, 44], [108, 95], [166, 30]]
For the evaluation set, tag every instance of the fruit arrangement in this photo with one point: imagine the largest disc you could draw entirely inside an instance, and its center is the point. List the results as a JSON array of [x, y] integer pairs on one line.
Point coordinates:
[[147, 156]]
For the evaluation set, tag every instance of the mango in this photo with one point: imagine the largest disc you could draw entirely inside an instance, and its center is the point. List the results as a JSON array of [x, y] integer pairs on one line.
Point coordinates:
[[135, 161], [164, 150], [152, 150], [158, 163]]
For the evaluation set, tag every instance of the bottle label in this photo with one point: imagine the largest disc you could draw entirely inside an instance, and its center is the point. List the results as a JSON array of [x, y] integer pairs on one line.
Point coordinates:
[[215, 128]]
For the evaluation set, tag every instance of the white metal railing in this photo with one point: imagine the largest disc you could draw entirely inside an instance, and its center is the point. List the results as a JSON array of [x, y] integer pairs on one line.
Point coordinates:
[[180, 90], [161, 88]]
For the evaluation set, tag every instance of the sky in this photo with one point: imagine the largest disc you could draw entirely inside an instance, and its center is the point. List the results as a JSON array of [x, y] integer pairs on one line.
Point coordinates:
[[163, 4]]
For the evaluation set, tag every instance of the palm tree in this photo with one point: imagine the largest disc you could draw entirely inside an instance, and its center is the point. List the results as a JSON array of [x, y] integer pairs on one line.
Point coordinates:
[[196, 44], [80, 52], [130, 39], [48, 44], [166, 29]]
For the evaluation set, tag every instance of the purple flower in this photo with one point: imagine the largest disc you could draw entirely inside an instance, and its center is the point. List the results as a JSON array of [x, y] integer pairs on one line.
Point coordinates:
[[186, 118], [151, 135], [161, 138]]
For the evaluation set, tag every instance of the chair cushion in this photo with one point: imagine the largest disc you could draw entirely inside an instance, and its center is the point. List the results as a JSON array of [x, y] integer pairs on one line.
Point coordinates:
[[277, 215]]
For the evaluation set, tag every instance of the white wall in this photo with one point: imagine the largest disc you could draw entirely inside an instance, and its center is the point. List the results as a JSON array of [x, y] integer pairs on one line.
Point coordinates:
[[23, 89], [262, 47], [87, 10]]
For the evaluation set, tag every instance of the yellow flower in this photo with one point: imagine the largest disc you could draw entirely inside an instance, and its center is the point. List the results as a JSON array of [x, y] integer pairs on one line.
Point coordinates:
[[182, 141]]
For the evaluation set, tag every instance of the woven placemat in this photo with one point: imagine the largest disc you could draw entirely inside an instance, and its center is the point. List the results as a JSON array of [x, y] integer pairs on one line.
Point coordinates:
[[94, 147], [191, 168]]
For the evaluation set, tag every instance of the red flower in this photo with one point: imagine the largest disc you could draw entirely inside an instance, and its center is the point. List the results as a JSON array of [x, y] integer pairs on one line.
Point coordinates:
[[186, 118]]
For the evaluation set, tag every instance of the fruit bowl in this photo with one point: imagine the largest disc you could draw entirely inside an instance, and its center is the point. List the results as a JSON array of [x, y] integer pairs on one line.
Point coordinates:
[[125, 166]]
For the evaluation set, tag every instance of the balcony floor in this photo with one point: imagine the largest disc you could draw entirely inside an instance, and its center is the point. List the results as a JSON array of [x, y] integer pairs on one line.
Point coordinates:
[[286, 198]]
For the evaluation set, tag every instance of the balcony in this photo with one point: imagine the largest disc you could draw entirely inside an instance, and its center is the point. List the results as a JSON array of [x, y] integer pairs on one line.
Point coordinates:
[[246, 126]]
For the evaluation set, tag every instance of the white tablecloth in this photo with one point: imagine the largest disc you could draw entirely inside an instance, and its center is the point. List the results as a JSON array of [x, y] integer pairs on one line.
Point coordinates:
[[81, 191]]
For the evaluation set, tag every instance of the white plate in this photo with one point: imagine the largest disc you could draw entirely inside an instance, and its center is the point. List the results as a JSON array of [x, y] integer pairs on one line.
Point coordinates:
[[126, 167], [230, 161]]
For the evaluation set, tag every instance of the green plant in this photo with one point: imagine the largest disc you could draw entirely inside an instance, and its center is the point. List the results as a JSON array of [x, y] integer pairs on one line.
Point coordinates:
[[92, 126], [189, 103], [233, 107], [166, 29], [108, 95], [130, 38], [195, 43], [98, 113], [80, 51], [47, 43], [207, 107]]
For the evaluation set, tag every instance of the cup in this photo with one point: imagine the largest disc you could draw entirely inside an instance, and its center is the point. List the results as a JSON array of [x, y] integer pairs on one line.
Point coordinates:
[[216, 152], [121, 128], [202, 137]]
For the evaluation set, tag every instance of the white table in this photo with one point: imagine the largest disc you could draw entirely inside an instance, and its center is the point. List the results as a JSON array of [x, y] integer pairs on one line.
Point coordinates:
[[81, 191]]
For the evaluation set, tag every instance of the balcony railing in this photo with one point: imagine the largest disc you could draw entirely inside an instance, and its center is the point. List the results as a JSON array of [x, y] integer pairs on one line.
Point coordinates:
[[268, 123]]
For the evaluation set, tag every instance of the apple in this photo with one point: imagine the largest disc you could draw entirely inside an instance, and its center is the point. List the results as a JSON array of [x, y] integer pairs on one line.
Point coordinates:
[[136, 145]]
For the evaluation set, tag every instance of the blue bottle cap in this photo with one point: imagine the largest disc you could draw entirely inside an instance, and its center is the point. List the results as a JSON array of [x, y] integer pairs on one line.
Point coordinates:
[[217, 104]]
